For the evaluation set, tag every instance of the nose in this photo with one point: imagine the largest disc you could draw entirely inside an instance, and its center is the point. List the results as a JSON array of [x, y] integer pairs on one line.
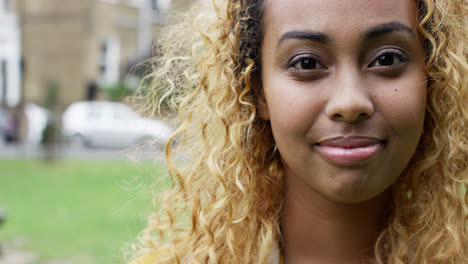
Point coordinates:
[[349, 101]]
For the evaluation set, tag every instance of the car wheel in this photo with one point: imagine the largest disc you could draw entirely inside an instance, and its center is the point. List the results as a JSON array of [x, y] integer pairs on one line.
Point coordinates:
[[78, 141]]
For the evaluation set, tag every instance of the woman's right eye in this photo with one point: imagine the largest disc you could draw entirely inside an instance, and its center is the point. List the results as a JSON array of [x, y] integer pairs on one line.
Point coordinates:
[[306, 63]]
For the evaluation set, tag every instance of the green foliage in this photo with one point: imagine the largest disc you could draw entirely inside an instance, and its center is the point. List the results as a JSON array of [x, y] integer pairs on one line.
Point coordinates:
[[81, 211], [118, 91], [51, 133], [51, 95]]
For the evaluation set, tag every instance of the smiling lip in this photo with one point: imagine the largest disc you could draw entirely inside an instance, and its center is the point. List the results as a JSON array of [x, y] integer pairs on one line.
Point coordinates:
[[349, 150]]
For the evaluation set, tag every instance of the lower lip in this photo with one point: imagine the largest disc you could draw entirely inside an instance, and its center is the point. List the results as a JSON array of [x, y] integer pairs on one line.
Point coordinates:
[[349, 156]]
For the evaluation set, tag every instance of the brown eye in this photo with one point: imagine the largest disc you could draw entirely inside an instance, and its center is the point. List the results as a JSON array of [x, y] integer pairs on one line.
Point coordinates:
[[388, 59], [307, 63]]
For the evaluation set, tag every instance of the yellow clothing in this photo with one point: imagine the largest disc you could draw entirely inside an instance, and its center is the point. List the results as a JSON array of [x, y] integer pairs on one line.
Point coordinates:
[[146, 259], [151, 258]]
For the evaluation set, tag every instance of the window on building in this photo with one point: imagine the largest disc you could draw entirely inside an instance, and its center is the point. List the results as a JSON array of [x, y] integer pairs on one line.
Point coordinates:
[[154, 4], [160, 5], [4, 6], [102, 58], [3, 81], [111, 1], [109, 61]]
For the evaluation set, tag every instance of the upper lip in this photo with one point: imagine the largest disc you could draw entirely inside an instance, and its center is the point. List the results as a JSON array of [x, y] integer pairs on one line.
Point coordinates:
[[350, 141]]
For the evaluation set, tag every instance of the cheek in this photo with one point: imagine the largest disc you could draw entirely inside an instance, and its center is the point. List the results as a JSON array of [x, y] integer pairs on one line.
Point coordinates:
[[292, 107], [404, 104], [402, 107]]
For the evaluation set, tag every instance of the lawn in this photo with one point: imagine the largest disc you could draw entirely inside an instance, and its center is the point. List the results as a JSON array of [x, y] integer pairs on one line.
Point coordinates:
[[83, 211]]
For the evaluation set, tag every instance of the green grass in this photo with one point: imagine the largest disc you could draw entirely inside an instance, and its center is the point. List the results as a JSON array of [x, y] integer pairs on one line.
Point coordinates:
[[82, 211]]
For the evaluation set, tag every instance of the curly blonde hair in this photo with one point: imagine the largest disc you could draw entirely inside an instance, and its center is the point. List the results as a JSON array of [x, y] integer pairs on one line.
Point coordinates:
[[224, 207]]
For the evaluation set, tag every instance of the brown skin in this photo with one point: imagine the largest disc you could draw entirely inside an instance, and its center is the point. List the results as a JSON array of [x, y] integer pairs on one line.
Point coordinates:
[[335, 83]]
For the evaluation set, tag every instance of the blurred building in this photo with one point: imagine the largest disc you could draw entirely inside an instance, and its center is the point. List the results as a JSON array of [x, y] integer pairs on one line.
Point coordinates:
[[76, 46], [10, 55]]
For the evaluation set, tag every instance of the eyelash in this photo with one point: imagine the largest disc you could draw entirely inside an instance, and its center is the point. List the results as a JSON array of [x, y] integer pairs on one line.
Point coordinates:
[[401, 56], [301, 58]]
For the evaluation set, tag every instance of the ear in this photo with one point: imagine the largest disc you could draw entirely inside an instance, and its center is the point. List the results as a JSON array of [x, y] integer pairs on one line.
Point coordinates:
[[262, 106]]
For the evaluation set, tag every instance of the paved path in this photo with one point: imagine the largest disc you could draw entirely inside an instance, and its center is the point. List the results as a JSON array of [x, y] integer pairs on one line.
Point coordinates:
[[10, 256], [28, 151]]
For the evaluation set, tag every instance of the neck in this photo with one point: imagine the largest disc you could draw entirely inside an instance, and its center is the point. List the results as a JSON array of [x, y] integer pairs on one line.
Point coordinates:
[[318, 230]]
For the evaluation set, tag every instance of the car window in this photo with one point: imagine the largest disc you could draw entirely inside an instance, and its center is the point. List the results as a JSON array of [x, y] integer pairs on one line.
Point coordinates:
[[94, 112], [123, 112]]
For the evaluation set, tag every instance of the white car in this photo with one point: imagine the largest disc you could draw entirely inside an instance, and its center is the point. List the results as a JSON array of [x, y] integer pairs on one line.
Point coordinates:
[[110, 124], [37, 118]]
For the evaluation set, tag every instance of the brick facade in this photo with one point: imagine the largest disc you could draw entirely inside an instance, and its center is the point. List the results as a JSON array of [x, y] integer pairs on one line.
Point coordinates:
[[63, 41]]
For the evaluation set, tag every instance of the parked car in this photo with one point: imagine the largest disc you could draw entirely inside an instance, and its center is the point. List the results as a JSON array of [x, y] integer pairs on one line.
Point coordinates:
[[110, 124], [37, 118], [7, 126]]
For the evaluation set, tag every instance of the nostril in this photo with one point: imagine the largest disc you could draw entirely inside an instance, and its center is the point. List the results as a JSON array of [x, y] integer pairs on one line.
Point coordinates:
[[337, 116], [350, 117], [363, 116]]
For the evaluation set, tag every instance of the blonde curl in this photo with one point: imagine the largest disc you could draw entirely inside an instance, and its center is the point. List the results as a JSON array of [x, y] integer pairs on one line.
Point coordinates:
[[224, 207]]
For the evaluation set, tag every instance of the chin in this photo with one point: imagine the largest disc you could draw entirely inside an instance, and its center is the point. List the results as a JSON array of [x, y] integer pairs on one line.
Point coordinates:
[[356, 188]]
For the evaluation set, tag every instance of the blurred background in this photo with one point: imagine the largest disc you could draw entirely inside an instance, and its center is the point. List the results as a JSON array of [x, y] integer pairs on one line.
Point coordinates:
[[77, 165]]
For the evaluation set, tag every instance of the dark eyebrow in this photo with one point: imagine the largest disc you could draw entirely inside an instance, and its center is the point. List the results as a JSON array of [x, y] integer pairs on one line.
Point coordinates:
[[309, 35], [385, 29], [367, 35]]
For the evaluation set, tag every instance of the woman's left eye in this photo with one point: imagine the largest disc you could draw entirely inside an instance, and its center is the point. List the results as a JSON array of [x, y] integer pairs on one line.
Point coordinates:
[[388, 59]]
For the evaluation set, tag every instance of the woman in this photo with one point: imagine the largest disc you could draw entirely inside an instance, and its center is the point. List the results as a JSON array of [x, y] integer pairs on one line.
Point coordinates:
[[320, 131]]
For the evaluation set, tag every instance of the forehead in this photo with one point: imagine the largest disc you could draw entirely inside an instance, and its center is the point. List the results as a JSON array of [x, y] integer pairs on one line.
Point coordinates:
[[336, 16]]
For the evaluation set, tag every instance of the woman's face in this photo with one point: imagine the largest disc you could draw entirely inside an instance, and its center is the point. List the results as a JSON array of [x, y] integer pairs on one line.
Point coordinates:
[[345, 90]]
